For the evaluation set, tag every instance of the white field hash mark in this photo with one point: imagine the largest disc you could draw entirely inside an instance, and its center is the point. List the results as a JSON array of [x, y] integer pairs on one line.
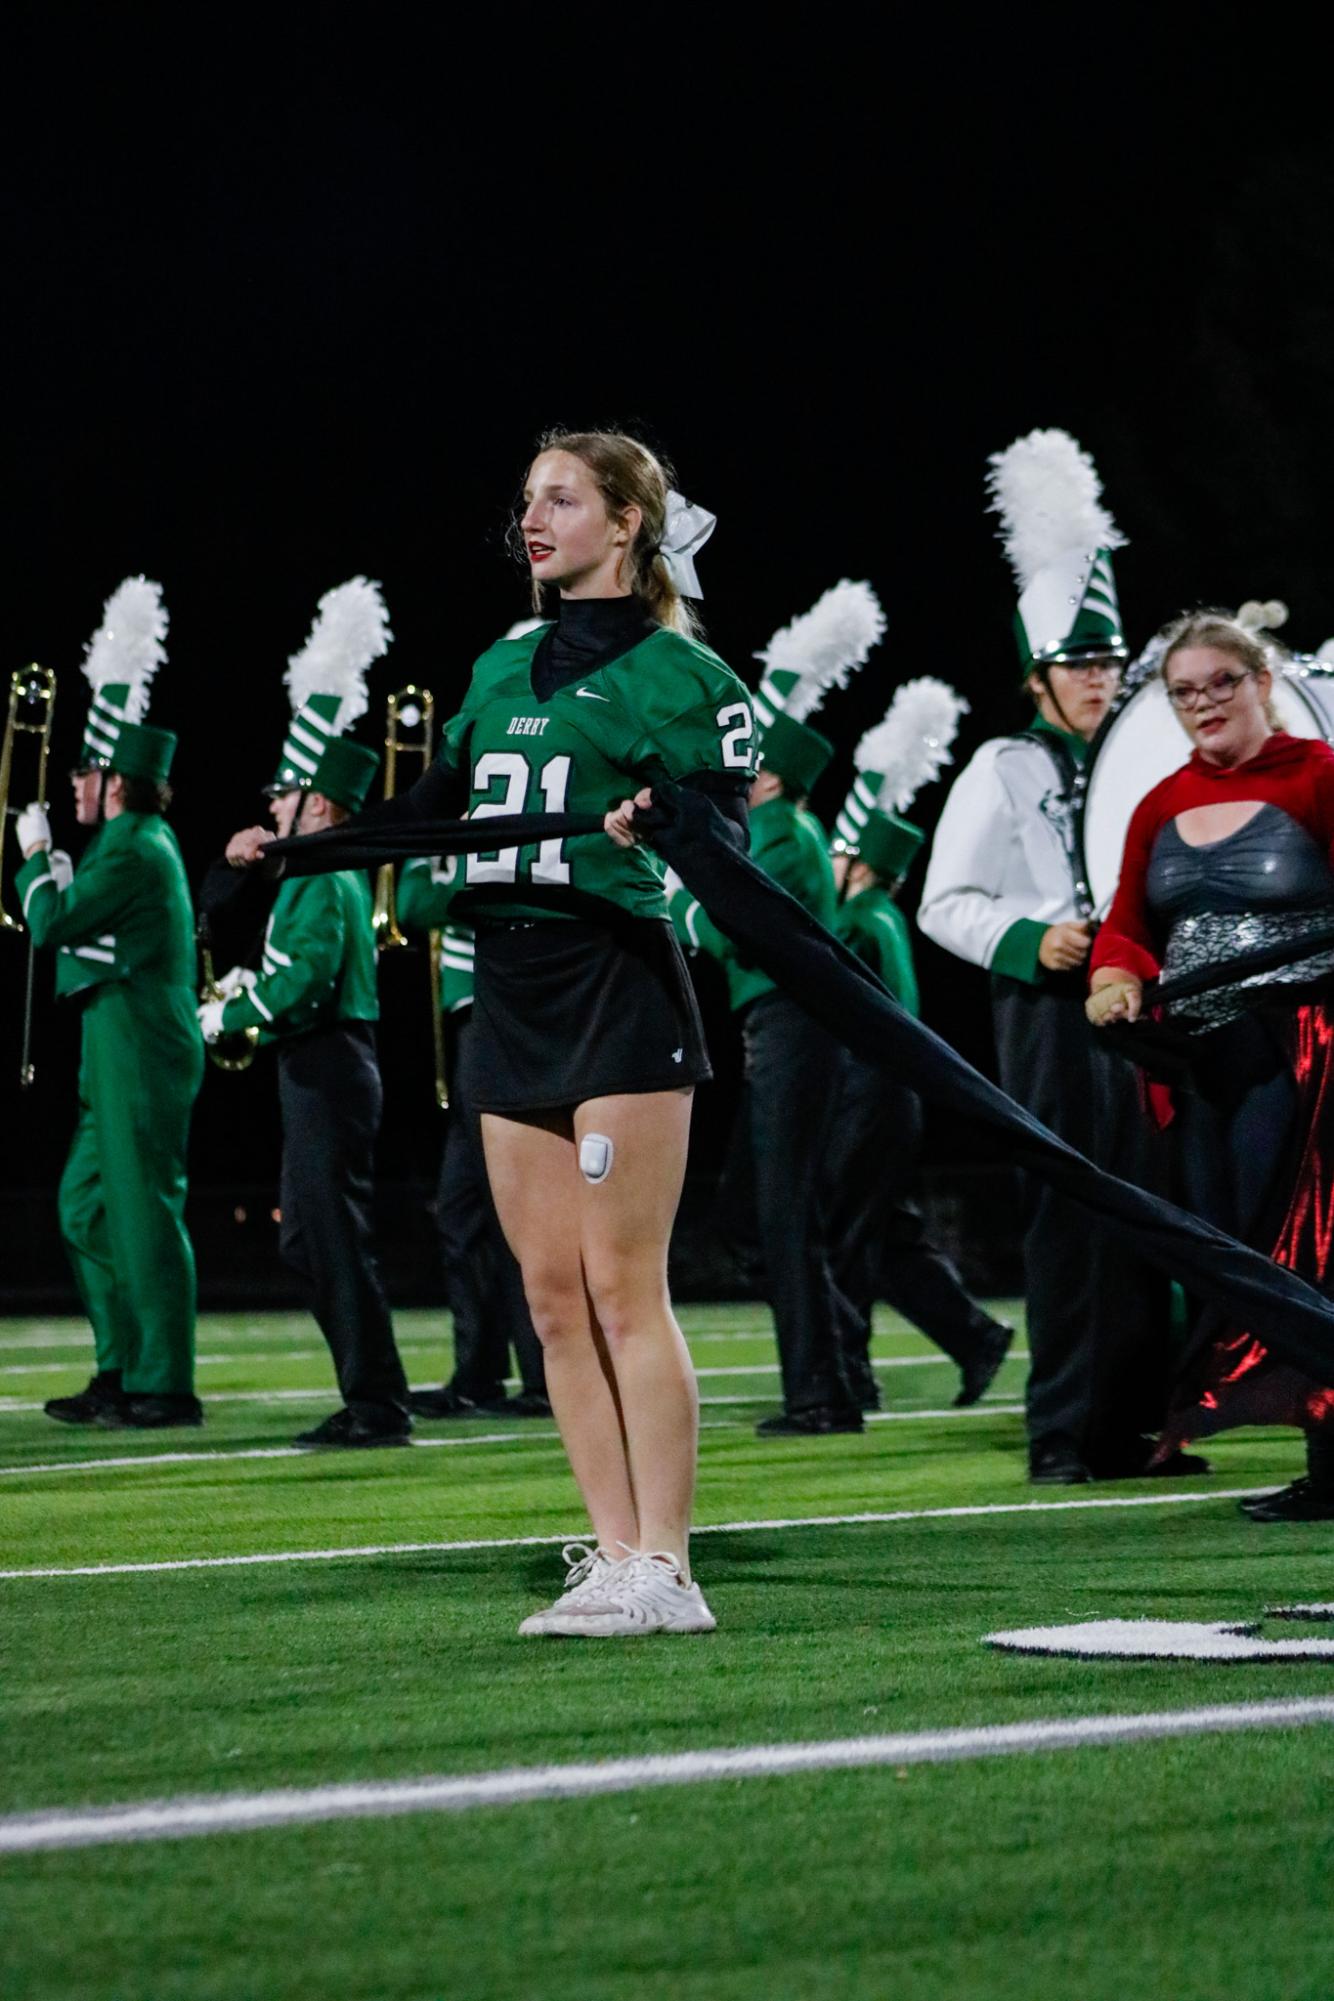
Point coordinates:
[[357, 1551], [232, 1813]]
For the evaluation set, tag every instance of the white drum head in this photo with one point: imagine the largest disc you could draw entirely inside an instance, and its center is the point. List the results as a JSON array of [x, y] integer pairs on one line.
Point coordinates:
[[1144, 743]]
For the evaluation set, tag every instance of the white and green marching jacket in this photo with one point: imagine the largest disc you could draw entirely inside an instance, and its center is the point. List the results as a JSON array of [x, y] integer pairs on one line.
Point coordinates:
[[318, 965], [125, 916], [426, 890]]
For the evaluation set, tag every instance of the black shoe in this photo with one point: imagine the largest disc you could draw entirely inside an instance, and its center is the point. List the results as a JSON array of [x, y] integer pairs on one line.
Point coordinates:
[[862, 1385], [813, 1423], [1303, 1501], [447, 1402], [156, 1413], [346, 1429], [528, 1403], [979, 1372], [103, 1393], [1134, 1460], [1055, 1462]]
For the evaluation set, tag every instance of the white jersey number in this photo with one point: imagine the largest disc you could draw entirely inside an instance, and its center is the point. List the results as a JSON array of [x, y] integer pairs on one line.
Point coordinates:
[[509, 775], [736, 742]]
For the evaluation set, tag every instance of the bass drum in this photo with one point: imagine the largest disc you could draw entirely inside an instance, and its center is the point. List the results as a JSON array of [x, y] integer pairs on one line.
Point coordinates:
[[1141, 743]]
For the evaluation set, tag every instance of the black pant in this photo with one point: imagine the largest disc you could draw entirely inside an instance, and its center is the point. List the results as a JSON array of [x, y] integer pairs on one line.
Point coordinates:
[[483, 1284], [778, 1160], [1098, 1316], [329, 1091], [880, 1249]]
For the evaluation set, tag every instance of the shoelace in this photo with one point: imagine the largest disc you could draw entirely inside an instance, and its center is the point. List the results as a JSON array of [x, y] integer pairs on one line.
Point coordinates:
[[580, 1562]]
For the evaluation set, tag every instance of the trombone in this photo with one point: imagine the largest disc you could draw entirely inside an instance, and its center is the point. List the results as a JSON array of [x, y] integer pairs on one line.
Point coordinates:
[[229, 1052], [32, 703], [410, 709]]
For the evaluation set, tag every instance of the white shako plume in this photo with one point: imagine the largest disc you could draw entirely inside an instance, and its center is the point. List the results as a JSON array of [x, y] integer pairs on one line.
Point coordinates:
[[818, 651], [1048, 495], [902, 753], [350, 629], [127, 649]]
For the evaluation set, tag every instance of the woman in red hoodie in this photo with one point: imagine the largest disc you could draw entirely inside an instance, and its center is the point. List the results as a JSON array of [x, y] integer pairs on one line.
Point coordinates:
[[1233, 853]]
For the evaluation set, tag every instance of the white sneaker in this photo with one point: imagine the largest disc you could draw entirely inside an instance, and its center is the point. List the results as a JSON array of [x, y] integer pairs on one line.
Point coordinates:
[[641, 1594], [584, 1568]]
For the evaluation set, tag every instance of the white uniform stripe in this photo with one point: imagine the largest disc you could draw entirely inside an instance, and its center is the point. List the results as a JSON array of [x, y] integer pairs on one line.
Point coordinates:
[[33, 887], [166, 1820], [257, 998], [94, 952]]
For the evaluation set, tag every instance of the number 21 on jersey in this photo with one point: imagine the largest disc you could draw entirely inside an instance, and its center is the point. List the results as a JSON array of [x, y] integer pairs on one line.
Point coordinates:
[[506, 774]]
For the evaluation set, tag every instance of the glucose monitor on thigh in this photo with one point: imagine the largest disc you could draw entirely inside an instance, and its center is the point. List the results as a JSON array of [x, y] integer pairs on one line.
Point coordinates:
[[596, 1154]]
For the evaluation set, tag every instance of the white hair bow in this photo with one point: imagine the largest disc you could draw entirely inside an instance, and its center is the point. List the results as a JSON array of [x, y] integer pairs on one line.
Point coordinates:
[[688, 529]]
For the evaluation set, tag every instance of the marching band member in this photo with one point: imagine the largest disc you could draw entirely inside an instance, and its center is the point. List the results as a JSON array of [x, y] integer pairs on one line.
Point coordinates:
[[1004, 890], [483, 1284], [123, 930], [314, 999], [791, 1063], [880, 1247], [1232, 853]]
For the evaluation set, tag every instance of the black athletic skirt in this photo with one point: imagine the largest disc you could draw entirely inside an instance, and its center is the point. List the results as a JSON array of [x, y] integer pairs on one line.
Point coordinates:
[[566, 1010]]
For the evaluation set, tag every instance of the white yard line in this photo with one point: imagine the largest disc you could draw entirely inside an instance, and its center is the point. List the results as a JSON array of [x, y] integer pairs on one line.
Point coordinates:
[[533, 1436], [416, 1347], [866, 1519], [298, 1806]]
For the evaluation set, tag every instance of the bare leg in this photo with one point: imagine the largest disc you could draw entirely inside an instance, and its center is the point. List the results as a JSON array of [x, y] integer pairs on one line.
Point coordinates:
[[625, 1225], [537, 1188]]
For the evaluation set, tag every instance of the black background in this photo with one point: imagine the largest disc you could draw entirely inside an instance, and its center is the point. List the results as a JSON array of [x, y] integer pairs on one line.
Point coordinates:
[[289, 301]]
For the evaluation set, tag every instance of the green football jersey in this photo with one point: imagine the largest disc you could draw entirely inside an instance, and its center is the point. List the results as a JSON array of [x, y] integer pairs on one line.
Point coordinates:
[[667, 708]]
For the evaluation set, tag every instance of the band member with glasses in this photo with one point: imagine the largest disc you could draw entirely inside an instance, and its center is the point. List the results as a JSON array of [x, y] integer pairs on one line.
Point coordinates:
[[1232, 853], [1004, 891]]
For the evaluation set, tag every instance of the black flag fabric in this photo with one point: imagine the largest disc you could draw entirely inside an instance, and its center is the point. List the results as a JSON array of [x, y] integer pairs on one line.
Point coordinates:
[[772, 931]]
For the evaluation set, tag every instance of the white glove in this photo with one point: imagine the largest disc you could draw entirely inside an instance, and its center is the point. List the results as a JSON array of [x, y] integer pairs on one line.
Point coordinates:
[[33, 830], [236, 980], [61, 867], [210, 1019]]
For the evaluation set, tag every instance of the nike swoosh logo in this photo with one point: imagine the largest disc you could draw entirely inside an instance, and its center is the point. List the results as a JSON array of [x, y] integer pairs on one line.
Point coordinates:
[[591, 693]]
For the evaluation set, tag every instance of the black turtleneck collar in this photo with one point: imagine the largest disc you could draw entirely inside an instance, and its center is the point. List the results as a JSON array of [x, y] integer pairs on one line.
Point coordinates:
[[588, 634]]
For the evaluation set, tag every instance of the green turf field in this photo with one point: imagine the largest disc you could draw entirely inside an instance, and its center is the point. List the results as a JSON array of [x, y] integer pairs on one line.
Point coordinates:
[[1188, 1868]]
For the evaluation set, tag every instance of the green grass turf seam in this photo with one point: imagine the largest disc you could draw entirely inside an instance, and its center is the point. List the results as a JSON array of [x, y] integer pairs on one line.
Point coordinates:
[[352, 1552], [89, 1827]]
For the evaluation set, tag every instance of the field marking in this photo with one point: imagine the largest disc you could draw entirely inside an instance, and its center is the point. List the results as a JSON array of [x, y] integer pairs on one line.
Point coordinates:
[[533, 1437], [866, 1519], [284, 1355], [296, 1806]]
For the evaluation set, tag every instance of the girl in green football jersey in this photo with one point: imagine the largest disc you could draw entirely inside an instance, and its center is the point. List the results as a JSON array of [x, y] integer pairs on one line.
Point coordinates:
[[586, 1037], [587, 1190]]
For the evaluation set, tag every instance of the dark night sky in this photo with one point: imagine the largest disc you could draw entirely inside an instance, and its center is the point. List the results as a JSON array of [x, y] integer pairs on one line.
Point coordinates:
[[287, 304]]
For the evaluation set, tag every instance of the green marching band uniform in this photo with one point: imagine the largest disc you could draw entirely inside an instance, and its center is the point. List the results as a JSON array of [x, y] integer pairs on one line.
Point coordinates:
[[772, 1181], [314, 998], [880, 1246], [123, 930], [483, 1284]]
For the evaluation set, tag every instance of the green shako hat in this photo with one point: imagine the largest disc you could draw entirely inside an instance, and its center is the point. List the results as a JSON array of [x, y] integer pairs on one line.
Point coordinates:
[[795, 751], [119, 663], [1059, 538], [909, 747], [143, 752], [889, 844], [327, 684]]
